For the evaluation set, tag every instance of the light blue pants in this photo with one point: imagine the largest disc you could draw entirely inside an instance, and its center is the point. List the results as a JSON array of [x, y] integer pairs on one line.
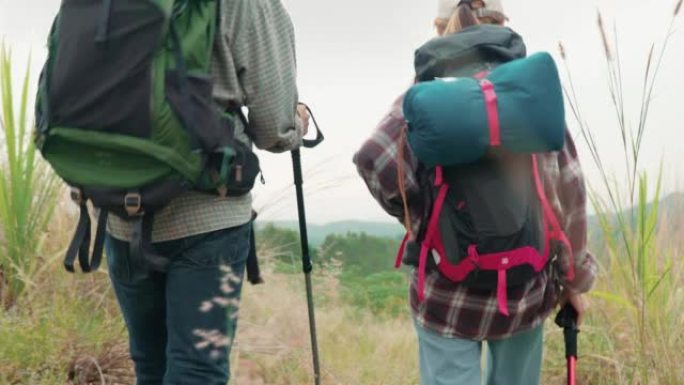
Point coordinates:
[[452, 361]]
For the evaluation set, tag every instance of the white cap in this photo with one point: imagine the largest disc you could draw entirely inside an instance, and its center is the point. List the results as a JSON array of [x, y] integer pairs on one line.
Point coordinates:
[[446, 8]]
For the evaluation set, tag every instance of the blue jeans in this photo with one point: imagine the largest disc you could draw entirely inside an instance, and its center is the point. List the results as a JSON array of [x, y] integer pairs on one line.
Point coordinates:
[[452, 361], [162, 310]]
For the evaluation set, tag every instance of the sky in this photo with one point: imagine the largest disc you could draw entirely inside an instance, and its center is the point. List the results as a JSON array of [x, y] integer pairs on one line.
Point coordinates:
[[356, 56]]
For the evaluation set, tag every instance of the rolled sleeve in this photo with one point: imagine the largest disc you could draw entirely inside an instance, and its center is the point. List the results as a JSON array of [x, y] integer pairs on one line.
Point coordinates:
[[256, 68]]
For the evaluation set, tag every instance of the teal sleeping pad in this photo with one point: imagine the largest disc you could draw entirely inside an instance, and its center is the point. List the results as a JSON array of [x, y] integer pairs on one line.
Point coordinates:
[[449, 123]]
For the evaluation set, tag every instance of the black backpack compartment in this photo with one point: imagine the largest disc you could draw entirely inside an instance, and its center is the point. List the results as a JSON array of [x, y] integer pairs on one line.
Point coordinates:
[[491, 204]]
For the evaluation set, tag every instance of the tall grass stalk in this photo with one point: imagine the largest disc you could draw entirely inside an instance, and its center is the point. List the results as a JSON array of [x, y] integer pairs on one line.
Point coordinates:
[[28, 190], [643, 268]]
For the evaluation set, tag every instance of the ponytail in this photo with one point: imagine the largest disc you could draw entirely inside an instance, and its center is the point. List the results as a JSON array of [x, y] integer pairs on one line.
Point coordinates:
[[463, 17]]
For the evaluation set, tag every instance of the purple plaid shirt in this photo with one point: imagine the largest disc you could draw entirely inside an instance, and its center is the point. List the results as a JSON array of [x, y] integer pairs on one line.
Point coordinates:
[[453, 310]]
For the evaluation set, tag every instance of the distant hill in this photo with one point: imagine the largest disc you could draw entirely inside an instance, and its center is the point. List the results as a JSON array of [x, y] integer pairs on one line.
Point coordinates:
[[671, 212], [672, 209], [318, 233]]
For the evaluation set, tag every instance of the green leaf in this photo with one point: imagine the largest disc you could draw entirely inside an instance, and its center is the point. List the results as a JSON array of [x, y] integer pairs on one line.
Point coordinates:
[[28, 189], [614, 298]]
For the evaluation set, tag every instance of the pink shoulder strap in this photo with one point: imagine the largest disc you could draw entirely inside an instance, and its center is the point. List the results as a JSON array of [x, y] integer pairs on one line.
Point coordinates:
[[556, 231]]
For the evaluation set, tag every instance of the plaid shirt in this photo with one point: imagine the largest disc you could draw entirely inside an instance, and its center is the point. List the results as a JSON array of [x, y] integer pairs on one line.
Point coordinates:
[[455, 311]]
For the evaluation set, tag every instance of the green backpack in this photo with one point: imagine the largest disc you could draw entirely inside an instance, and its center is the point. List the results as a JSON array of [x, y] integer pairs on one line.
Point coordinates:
[[125, 114]]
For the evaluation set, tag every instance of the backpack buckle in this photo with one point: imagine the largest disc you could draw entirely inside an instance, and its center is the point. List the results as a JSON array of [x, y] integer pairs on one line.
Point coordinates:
[[133, 204], [222, 189], [76, 195]]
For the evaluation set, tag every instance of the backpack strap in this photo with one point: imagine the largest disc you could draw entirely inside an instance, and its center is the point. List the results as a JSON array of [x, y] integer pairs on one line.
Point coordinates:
[[183, 85], [253, 270], [481, 75], [401, 181], [402, 250], [141, 248], [552, 227], [502, 292], [80, 243], [432, 229], [100, 235], [491, 102], [422, 265]]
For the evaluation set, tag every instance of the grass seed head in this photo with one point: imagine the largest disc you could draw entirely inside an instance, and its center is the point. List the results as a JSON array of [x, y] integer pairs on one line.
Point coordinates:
[[604, 37], [561, 49]]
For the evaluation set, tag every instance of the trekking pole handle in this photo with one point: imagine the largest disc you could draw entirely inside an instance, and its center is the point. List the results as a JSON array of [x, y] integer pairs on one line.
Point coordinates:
[[311, 143], [567, 319]]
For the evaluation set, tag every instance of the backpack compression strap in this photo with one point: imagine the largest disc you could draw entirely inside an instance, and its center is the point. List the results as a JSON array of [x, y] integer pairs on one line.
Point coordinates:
[[141, 249], [402, 250], [253, 270], [491, 101], [80, 244], [432, 230]]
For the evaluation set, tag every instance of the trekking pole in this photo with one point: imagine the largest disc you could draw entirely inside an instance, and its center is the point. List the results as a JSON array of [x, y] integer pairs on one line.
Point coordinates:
[[567, 319], [304, 237]]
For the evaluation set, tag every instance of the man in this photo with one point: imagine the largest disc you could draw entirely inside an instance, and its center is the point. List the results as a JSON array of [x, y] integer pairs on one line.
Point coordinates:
[[207, 238]]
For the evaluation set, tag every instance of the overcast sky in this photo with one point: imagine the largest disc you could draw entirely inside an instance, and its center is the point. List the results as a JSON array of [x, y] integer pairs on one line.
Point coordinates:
[[356, 56]]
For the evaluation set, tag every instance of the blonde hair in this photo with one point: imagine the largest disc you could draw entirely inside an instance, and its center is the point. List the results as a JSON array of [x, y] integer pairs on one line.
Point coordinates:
[[462, 18]]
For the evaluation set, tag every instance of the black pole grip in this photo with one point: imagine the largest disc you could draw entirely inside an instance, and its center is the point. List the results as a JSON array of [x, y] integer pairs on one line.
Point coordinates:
[[567, 319]]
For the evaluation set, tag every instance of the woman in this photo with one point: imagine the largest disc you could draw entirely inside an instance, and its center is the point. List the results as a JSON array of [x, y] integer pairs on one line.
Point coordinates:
[[452, 321]]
